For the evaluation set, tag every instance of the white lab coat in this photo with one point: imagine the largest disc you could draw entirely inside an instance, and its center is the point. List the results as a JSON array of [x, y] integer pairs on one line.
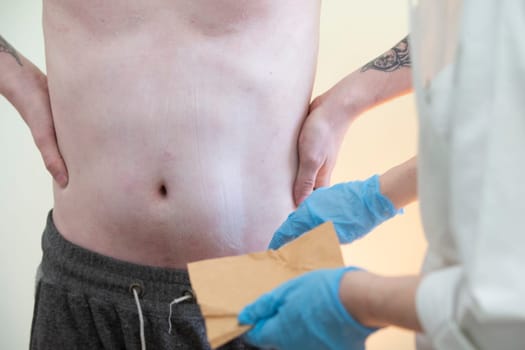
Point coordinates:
[[469, 76]]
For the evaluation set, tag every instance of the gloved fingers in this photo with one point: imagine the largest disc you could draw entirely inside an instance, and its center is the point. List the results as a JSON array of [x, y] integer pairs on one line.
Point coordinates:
[[266, 334], [287, 231], [297, 223], [281, 236], [264, 307], [303, 219], [278, 241]]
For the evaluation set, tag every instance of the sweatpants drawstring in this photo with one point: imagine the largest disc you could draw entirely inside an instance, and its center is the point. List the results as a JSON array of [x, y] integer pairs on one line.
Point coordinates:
[[141, 317], [187, 295]]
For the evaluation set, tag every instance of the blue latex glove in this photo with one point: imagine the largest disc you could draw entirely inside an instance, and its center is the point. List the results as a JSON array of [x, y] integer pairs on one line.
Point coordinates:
[[305, 313], [355, 208]]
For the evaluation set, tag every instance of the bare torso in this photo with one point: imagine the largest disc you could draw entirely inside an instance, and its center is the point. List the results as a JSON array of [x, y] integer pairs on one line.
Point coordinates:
[[178, 122]]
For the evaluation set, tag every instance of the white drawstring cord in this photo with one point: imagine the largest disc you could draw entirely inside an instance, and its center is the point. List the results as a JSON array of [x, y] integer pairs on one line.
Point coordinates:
[[176, 301], [141, 320]]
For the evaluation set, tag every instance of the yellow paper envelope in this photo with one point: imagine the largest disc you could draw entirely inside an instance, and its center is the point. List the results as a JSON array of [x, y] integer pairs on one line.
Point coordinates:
[[224, 286]]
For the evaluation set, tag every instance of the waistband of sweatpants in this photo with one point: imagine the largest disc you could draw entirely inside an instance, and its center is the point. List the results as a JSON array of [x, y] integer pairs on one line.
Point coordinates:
[[74, 267]]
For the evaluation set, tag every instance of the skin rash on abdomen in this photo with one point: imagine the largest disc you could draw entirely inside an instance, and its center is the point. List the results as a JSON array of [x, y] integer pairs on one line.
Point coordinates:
[[180, 142]]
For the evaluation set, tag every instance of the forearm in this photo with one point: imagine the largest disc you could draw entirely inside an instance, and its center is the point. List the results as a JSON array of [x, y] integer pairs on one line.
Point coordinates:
[[6, 48], [399, 184], [25, 86], [378, 301], [11, 66], [19, 78], [384, 78]]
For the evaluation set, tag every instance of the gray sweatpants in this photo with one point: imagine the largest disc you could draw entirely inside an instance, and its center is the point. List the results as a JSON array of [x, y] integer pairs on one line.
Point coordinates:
[[85, 300]]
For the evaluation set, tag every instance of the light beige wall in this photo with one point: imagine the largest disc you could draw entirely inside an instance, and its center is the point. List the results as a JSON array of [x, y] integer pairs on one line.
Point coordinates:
[[352, 33]]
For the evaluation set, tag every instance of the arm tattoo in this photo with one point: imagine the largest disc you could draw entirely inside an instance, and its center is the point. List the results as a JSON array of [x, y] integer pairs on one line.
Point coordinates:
[[7, 48], [394, 59]]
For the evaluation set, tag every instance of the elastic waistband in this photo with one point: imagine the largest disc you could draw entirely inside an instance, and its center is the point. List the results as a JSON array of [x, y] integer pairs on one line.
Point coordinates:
[[67, 264]]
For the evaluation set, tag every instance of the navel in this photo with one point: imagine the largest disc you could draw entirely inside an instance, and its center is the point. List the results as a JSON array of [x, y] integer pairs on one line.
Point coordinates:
[[163, 191]]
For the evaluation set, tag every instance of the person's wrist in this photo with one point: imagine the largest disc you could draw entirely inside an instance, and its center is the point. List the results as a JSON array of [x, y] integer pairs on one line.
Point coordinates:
[[9, 86], [357, 295], [399, 184], [380, 204], [26, 90], [343, 103], [13, 74], [355, 98]]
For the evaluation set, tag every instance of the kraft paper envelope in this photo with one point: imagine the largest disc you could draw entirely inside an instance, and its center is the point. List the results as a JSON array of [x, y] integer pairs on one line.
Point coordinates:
[[224, 286]]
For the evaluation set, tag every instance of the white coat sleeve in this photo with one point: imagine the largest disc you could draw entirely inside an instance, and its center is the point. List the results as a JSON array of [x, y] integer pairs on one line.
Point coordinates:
[[478, 301]]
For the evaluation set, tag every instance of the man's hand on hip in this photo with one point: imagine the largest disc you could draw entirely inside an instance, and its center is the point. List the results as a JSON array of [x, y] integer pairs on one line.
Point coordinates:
[[25, 86]]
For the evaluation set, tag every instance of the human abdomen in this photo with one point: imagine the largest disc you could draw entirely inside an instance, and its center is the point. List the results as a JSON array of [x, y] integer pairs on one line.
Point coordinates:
[[176, 150]]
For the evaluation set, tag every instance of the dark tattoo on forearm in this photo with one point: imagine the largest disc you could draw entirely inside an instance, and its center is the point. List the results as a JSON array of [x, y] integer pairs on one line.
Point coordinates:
[[396, 58], [7, 48]]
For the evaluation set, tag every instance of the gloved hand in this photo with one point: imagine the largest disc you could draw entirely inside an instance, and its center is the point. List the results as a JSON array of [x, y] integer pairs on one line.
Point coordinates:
[[305, 313], [355, 208]]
